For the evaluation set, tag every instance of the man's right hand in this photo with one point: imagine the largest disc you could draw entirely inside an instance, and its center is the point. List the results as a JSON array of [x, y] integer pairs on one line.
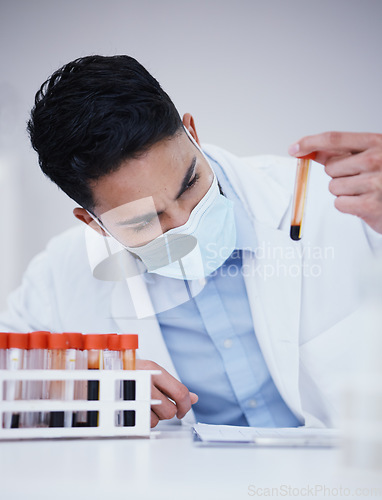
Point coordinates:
[[175, 397]]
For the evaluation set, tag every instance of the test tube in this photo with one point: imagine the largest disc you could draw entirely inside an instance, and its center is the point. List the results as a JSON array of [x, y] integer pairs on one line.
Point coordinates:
[[36, 359], [57, 344], [94, 344], [113, 361], [17, 345], [128, 345], [3, 350], [74, 344], [299, 196], [79, 387]]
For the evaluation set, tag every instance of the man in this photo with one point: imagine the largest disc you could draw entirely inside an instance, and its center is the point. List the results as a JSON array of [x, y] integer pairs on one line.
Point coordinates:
[[246, 325]]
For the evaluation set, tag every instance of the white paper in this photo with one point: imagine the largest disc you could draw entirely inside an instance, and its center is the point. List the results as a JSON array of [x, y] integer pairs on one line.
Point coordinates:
[[265, 435]]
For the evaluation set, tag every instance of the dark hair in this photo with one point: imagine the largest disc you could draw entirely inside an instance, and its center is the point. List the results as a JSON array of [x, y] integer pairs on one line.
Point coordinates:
[[94, 113]]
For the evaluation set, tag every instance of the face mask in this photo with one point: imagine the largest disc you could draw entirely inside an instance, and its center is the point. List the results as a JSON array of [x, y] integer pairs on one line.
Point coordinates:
[[198, 247]]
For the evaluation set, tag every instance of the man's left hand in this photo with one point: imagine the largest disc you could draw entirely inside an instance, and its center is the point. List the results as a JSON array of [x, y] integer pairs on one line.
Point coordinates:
[[354, 161]]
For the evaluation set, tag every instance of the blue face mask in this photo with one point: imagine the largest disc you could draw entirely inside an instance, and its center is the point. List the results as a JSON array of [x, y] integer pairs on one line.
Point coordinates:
[[200, 246]]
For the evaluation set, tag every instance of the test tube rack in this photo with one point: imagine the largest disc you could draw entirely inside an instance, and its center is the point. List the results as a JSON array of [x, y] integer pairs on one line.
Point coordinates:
[[107, 405]]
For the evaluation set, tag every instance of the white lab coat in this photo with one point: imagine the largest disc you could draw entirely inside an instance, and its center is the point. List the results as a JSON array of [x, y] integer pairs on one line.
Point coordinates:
[[304, 295]]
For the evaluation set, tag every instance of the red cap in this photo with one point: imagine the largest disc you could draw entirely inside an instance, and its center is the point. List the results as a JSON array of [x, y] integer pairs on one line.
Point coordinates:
[[18, 340], [38, 340], [311, 156], [75, 340], [3, 340], [113, 342], [57, 341], [95, 341], [128, 341]]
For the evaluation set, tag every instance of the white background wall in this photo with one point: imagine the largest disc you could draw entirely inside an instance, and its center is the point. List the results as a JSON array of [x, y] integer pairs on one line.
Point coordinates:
[[256, 74]]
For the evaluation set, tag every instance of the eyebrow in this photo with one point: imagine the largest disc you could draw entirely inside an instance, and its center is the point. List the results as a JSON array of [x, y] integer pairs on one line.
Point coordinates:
[[149, 216]]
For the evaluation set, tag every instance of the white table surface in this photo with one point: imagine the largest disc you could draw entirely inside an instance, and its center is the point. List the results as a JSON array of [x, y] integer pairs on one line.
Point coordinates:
[[169, 466]]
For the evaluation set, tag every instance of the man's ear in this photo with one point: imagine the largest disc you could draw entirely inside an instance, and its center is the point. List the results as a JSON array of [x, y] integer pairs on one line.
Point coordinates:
[[189, 123], [82, 215]]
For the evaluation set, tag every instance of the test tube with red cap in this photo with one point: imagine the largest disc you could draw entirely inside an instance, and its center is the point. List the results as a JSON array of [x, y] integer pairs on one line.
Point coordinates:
[[299, 196], [112, 359], [36, 359], [95, 345], [77, 360], [57, 345], [3, 350], [3, 353], [17, 346], [128, 345], [74, 348]]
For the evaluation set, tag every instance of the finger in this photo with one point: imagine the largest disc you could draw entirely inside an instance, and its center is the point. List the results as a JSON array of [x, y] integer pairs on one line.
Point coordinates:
[[170, 387], [167, 409], [361, 206], [154, 419], [344, 166], [346, 142], [367, 161], [194, 398], [175, 390], [350, 186]]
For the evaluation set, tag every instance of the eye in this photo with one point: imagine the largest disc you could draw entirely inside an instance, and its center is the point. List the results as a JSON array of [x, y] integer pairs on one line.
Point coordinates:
[[144, 226], [192, 182]]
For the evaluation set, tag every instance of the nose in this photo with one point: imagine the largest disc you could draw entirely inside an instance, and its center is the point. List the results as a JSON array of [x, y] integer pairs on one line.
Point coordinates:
[[175, 216]]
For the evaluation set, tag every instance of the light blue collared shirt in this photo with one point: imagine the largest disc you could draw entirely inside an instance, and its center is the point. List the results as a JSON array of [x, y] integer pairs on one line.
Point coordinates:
[[212, 342]]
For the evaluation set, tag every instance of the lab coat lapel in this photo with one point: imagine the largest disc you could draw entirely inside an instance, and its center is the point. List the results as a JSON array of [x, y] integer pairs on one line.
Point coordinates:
[[274, 286], [273, 282]]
